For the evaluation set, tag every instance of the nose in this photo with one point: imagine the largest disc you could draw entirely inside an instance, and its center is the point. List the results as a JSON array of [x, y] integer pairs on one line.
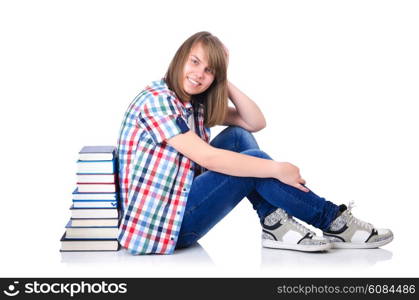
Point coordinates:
[[200, 73]]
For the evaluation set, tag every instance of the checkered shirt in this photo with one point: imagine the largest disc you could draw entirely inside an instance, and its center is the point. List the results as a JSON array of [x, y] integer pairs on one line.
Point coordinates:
[[154, 178]]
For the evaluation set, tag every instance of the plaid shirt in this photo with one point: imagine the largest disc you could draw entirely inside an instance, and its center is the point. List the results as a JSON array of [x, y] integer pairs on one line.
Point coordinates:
[[154, 178]]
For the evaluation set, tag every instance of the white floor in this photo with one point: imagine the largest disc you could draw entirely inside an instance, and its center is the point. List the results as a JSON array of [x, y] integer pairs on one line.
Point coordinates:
[[197, 262], [223, 252]]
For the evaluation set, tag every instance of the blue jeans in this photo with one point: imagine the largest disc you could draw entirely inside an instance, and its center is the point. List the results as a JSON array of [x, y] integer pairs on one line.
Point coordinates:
[[213, 195]]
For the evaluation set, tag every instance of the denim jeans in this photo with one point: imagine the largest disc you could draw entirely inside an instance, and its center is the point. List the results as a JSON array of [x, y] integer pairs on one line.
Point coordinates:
[[213, 195]]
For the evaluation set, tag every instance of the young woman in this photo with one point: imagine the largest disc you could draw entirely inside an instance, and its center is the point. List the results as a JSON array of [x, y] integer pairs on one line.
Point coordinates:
[[175, 184]]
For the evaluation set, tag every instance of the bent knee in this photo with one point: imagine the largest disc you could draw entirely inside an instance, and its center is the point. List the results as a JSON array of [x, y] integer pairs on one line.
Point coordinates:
[[238, 130], [257, 153]]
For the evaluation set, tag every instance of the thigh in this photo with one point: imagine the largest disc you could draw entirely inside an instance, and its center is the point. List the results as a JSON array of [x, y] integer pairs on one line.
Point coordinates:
[[212, 196]]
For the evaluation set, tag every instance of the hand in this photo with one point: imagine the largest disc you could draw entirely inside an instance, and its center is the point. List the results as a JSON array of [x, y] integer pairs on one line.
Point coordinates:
[[290, 174]]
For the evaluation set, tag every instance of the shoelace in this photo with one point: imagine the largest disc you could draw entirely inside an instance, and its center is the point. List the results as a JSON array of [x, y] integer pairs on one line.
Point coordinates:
[[298, 225], [352, 219]]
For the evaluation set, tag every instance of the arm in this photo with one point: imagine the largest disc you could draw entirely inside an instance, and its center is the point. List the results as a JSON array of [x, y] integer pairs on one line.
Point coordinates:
[[246, 113], [232, 163]]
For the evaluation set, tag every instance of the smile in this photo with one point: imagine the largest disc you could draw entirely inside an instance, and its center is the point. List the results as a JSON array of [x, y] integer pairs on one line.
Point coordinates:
[[193, 81]]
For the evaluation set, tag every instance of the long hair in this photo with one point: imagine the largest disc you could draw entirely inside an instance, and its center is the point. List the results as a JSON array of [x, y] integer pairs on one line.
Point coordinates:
[[215, 98]]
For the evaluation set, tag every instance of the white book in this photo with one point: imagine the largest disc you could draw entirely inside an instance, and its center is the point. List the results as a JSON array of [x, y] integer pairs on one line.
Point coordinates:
[[96, 187], [94, 204], [97, 153], [94, 222], [94, 167], [92, 232], [93, 196], [96, 178], [92, 213], [88, 244], [95, 156]]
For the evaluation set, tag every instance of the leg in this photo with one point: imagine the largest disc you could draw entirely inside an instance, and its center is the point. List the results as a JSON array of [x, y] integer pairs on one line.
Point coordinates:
[[308, 207], [213, 195], [237, 139]]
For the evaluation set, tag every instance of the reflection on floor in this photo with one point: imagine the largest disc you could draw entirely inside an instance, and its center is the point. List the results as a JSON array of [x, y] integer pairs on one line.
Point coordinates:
[[196, 261], [182, 262], [348, 258]]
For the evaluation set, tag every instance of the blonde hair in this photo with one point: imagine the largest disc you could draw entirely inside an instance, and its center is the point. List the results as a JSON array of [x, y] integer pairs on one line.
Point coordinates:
[[215, 98]]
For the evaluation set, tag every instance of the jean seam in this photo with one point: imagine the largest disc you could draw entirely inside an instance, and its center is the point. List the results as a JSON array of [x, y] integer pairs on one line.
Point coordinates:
[[189, 233]]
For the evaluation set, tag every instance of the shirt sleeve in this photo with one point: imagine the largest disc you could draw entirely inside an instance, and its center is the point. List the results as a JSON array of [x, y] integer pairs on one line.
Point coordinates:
[[161, 118]]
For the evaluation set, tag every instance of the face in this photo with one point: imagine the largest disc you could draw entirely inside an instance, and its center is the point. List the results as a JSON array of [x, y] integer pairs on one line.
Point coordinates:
[[197, 75]]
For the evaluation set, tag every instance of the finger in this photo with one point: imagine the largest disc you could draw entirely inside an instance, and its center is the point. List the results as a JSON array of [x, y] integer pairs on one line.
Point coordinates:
[[226, 50], [302, 181], [301, 187]]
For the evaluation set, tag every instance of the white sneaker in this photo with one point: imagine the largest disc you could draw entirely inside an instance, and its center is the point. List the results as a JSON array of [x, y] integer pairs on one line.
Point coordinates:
[[281, 231], [346, 231]]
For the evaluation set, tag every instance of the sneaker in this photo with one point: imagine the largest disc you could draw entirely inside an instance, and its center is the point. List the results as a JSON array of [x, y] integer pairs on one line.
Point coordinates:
[[281, 231], [346, 231]]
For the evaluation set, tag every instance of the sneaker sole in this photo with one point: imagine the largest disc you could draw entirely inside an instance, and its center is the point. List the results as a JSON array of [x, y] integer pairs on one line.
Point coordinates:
[[304, 248], [346, 245]]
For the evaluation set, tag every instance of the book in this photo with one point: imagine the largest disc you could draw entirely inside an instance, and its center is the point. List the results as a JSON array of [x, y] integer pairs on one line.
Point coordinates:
[[88, 244], [94, 196], [91, 213], [94, 203], [97, 153], [91, 232], [94, 222], [96, 178], [96, 187], [96, 166]]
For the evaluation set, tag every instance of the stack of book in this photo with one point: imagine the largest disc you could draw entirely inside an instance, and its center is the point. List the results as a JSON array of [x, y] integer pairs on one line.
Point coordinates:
[[94, 221]]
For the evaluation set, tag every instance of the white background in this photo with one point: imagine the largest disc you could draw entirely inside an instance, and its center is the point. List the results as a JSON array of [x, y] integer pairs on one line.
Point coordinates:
[[337, 81]]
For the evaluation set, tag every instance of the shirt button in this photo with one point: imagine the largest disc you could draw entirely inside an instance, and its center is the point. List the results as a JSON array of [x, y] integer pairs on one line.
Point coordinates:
[[184, 189]]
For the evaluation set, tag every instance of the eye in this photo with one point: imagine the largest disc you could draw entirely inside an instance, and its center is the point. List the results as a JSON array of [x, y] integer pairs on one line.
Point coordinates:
[[209, 70], [194, 61]]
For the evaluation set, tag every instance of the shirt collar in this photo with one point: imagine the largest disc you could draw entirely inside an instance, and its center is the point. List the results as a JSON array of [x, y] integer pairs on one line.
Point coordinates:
[[186, 106]]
